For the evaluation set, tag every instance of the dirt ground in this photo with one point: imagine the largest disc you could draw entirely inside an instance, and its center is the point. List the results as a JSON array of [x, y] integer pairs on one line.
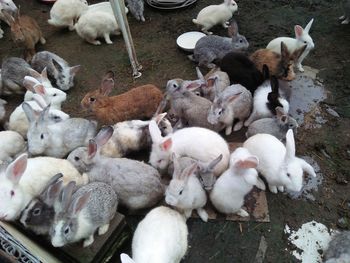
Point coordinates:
[[259, 21]]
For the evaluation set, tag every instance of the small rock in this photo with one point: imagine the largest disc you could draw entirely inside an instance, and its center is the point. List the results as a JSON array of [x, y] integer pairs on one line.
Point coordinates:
[[332, 112]]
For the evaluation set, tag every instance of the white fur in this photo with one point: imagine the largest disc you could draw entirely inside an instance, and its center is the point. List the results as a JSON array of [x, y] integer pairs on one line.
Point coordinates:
[[11, 144], [92, 25], [18, 120], [161, 237], [276, 161], [186, 192], [260, 109], [198, 143], [64, 12], [38, 172], [233, 185], [104, 7], [215, 14], [295, 43], [9, 6], [51, 95]]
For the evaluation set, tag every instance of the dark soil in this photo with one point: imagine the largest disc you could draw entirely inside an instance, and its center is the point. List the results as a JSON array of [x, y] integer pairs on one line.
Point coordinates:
[[259, 21]]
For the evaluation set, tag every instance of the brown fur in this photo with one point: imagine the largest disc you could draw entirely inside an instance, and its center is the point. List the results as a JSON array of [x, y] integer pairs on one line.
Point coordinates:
[[137, 103], [25, 32], [280, 66]]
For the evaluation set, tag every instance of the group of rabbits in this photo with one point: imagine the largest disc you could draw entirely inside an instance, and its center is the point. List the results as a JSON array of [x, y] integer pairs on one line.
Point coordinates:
[[63, 178]]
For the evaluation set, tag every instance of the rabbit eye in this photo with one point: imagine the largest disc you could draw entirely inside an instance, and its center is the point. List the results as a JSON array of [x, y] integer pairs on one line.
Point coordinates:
[[180, 193], [305, 42], [240, 41], [66, 231], [291, 125], [76, 158], [174, 85], [288, 174], [36, 211], [12, 193], [92, 99], [55, 95], [41, 136]]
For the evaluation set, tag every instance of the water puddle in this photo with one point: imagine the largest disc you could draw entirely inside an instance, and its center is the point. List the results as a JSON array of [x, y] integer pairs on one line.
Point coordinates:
[[311, 184], [306, 91]]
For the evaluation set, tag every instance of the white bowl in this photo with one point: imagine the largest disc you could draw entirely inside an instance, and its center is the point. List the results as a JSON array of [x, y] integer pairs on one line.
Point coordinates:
[[187, 41]]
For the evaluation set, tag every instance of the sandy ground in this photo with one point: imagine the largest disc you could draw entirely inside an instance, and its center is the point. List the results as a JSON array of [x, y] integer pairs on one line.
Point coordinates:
[[259, 21]]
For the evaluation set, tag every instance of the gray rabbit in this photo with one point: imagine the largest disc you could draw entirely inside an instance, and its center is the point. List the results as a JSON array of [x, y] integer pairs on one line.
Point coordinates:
[[39, 213], [276, 126], [137, 184], [338, 249], [136, 8], [91, 207], [210, 48], [12, 73]]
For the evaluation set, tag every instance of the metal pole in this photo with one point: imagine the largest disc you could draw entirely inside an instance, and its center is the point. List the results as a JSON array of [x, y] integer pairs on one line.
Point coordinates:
[[118, 7]]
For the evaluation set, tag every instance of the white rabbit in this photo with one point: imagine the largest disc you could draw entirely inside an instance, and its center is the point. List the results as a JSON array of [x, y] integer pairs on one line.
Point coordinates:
[[185, 192], [233, 185], [91, 207], [52, 96], [215, 14], [11, 144], [266, 99], [2, 108], [278, 163], [161, 237], [36, 78], [198, 143], [8, 6], [302, 37], [64, 12], [92, 25], [104, 7], [19, 122], [235, 102], [133, 135], [58, 139], [25, 178]]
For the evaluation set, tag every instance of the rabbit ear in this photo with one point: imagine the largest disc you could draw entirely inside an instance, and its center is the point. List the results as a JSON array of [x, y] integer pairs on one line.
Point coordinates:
[[52, 192], [211, 81], [160, 117], [232, 97], [284, 51], [290, 146], [161, 106], [307, 167], [8, 17], [74, 70], [297, 53], [16, 169], [80, 202], [39, 100], [92, 149], [44, 115], [233, 29], [29, 112], [104, 135], [107, 83], [40, 89], [188, 171], [35, 74], [154, 131], [44, 73], [266, 71], [298, 30], [215, 162], [66, 195], [29, 83], [249, 162], [308, 26], [166, 145], [57, 65], [126, 259], [191, 85], [199, 74], [51, 182]]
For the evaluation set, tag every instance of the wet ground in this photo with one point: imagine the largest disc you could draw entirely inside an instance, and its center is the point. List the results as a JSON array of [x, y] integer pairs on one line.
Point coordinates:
[[324, 136]]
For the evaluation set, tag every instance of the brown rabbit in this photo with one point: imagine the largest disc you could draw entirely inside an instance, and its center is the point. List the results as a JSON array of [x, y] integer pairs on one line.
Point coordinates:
[[280, 66], [137, 103], [25, 32]]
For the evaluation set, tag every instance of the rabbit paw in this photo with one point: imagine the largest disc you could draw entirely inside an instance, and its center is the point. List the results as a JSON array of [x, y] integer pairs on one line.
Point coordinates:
[[224, 25], [103, 229], [228, 130], [94, 42], [85, 178], [202, 214], [88, 241], [346, 21], [107, 39], [238, 126], [280, 188], [300, 68], [273, 189], [242, 213], [71, 27], [42, 40], [188, 213], [342, 17]]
